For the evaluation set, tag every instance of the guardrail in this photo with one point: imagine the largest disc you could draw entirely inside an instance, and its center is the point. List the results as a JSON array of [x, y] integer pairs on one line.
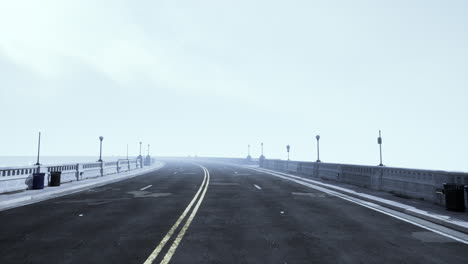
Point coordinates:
[[20, 178], [421, 184]]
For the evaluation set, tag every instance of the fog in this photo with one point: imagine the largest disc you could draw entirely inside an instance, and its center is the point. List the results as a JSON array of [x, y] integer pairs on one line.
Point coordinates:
[[208, 78]]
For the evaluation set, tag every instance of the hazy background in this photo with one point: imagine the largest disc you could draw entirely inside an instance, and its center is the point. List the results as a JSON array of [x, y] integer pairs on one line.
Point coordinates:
[[209, 77]]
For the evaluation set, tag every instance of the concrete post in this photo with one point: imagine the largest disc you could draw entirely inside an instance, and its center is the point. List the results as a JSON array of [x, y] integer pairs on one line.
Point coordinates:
[[102, 168]]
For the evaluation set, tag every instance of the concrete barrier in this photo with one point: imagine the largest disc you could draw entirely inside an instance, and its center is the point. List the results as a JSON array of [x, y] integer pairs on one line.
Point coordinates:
[[20, 178], [421, 184]]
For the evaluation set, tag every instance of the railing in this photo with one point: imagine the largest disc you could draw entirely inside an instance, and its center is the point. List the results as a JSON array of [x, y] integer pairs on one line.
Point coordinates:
[[17, 171], [423, 184], [92, 165], [62, 168], [19, 178]]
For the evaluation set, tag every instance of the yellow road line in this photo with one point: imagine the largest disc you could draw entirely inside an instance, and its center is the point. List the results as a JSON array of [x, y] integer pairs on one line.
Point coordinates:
[[166, 238], [177, 241]]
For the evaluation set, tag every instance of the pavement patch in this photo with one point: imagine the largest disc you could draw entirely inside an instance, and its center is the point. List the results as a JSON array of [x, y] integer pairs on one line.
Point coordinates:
[[225, 183], [146, 194], [431, 237], [314, 195]]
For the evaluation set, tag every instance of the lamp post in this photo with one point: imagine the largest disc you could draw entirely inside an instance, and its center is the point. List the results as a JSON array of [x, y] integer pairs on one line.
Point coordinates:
[[249, 158], [318, 147], [287, 162], [38, 150], [127, 151], [140, 147], [379, 141], [262, 158], [148, 149], [100, 148]]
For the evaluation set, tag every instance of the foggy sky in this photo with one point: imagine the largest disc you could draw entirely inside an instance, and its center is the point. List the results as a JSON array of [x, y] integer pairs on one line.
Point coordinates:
[[209, 77]]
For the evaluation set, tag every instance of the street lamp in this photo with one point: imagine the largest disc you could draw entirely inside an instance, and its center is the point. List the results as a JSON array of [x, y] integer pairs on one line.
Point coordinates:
[[287, 149], [318, 147], [379, 141], [148, 149], [248, 153], [262, 158], [38, 150], [140, 147], [100, 152]]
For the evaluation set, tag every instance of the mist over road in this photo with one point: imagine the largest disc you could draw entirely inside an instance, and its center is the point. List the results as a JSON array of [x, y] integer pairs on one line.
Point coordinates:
[[213, 213]]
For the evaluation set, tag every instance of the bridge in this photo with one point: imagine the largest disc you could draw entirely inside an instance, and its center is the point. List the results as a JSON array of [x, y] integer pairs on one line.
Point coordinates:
[[230, 210]]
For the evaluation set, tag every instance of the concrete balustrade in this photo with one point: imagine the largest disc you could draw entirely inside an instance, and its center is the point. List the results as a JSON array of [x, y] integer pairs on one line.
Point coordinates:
[[69, 172], [415, 183], [20, 178]]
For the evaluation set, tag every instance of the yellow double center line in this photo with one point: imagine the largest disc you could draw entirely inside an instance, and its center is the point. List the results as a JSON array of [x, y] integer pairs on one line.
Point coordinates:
[[203, 188]]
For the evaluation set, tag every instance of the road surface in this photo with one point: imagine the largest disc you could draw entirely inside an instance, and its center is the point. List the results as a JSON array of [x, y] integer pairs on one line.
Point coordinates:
[[185, 213]]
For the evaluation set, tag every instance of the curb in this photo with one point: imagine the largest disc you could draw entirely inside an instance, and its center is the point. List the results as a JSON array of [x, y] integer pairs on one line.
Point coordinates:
[[34, 198], [461, 226]]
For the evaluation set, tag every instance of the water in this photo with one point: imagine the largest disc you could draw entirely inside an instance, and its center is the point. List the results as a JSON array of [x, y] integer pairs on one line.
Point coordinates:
[[16, 161]]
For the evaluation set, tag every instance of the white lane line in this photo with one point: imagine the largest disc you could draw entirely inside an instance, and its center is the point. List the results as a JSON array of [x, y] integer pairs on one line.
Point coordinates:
[[372, 206], [169, 234], [144, 188], [181, 234], [258, 187]]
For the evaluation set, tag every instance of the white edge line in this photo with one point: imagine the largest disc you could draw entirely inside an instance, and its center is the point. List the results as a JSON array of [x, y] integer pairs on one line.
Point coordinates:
[[258, 187], [362, 203]]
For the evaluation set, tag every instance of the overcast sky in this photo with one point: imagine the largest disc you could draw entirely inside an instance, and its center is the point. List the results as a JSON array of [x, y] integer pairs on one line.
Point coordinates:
[[210, 77]]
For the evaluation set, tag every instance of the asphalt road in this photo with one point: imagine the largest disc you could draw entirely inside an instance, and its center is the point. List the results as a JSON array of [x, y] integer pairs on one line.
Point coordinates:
[[236, 215]]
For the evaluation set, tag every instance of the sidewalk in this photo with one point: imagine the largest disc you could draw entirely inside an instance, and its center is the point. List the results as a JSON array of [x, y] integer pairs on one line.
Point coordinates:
[[16, 199], [415, 207]]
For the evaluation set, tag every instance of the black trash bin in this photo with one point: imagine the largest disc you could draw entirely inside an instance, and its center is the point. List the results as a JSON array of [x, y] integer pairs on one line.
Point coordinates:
[[38, 181], [55, 178], [454, 197]]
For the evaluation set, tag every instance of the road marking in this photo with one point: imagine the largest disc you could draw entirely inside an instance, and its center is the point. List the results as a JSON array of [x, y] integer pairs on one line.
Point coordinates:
[[169, 234], [144, 188], [258, 187], [390, 212], [177, 241]]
